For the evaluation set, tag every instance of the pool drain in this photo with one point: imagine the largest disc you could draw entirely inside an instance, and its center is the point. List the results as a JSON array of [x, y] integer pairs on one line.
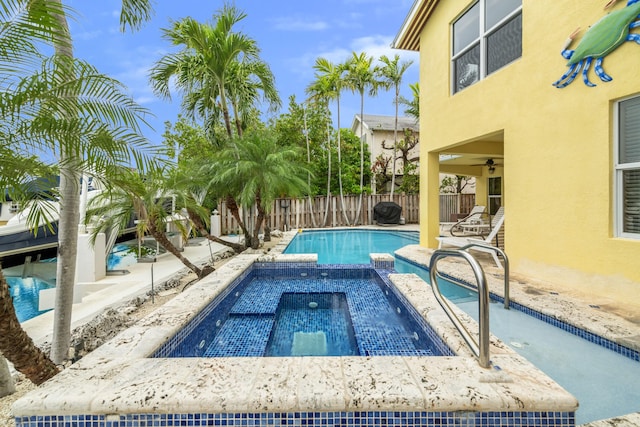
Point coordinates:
[[313, 304]]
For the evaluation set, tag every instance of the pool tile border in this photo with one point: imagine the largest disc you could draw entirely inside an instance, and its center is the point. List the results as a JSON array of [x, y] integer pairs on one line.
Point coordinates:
[[336, 419], [572, 329]]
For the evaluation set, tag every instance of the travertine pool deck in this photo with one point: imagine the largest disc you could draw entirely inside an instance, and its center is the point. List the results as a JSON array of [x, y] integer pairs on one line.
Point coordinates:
[[119, 382]]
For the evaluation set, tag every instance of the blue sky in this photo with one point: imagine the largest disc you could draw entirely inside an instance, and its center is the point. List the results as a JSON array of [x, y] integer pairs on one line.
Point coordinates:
[[290, 33]]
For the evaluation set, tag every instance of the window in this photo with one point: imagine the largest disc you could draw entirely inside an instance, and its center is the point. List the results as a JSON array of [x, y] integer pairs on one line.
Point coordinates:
[[627, 169], [495, 194], [486, 37]]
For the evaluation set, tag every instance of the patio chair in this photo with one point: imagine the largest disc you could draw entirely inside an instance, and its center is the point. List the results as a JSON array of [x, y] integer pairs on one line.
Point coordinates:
[[496, 224], [472, 224]]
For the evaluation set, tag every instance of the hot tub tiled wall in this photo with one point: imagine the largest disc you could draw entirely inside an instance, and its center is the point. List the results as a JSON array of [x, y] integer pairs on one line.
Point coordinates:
[[119, 385]]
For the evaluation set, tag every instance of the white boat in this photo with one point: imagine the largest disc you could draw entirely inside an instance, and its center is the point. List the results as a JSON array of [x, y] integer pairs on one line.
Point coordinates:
[[17, 237]]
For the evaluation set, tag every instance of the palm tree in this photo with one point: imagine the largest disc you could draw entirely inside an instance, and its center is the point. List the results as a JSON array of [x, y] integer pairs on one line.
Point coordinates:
[[204, 71], [152, 201], [67, 107], [360, 77], [413, 104], [391, 76], [262, 171], [202, 66], [193, 186], [321, 92], [330, 80], [246, 80]]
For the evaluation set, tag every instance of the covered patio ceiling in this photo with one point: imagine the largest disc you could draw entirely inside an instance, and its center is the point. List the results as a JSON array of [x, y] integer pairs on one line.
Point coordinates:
[[470, 157]]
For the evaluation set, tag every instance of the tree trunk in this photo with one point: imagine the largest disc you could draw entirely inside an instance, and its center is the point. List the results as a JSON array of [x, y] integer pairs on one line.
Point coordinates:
[[267, 229], [344, 213], [199, 225], [306, 135], [327, 203], [17, 346], [255, 241], [235, 212], [395, 145], [357, 217], [170, 247], [68, 224]]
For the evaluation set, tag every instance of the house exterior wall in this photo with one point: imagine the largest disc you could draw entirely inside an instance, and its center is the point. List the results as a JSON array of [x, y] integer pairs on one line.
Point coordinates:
[[558, 147]]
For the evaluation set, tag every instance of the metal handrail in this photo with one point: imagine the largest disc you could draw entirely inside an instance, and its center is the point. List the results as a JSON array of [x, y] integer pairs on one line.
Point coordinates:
[[506, 266], [481, 350]]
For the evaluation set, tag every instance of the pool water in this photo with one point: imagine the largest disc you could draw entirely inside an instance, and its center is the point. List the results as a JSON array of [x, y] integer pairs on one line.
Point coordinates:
[[25, 293], [349, 246], [604, 381], [358, 312], [313, 324]]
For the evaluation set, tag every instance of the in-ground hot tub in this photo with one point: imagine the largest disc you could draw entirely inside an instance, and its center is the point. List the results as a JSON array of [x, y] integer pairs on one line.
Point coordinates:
[[121, 384]]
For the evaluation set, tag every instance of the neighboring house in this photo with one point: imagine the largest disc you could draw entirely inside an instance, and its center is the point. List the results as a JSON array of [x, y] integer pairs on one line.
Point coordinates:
[[378, 130], [565, 161]]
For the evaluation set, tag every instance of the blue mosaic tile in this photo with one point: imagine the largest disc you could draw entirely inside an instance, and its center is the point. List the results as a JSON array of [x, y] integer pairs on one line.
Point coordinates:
[[241, 336], [382, 323], [336, 419]]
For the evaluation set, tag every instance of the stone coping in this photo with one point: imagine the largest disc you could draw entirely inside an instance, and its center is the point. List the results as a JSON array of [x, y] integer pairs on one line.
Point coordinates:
[[120, 378], [539, 297]]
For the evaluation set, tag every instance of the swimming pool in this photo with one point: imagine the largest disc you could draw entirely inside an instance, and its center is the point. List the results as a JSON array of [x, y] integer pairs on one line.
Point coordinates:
[[348, 246], [25, 292], [331, 311]]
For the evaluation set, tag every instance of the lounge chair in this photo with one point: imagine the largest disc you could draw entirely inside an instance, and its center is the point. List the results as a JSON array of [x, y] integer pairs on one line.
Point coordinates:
[[496, 225], [471, 225]]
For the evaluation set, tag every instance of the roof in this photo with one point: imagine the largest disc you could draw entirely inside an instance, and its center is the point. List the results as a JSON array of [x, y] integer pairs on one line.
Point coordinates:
[[376, 122], [408, 38]]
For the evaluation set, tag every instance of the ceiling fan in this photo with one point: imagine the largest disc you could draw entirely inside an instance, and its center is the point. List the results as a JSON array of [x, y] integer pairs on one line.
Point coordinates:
[[489, 163]]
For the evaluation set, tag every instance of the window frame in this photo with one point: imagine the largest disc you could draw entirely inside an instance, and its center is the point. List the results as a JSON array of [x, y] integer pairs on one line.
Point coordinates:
[[480, 41], [618, 178]]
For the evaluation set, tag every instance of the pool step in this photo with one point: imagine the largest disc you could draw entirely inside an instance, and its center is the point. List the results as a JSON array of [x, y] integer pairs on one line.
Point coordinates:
[[242, 336]]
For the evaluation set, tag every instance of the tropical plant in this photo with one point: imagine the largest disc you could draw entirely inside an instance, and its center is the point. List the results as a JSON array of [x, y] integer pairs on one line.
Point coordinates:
[[305, 125], [203, 67], [64, 106], [321, 93], [391, 74], [328, 85], [412, 105], [260, 170], [361, 76], [215, 67], [246, 80], [193, 185], [148, 198]]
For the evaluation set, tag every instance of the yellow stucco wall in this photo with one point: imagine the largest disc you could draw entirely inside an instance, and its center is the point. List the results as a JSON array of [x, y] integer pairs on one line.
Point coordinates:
[[557, 176]]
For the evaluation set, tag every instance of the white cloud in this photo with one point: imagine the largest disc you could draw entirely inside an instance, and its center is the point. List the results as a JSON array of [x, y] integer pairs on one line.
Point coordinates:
[[299, 24]]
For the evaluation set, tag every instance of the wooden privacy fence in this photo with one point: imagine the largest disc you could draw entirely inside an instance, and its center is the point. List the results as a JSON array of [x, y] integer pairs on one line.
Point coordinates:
[[289, 214], [453, 205]]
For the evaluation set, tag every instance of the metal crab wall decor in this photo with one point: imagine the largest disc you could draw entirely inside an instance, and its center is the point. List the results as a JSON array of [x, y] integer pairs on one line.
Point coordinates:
[[601, 39]]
